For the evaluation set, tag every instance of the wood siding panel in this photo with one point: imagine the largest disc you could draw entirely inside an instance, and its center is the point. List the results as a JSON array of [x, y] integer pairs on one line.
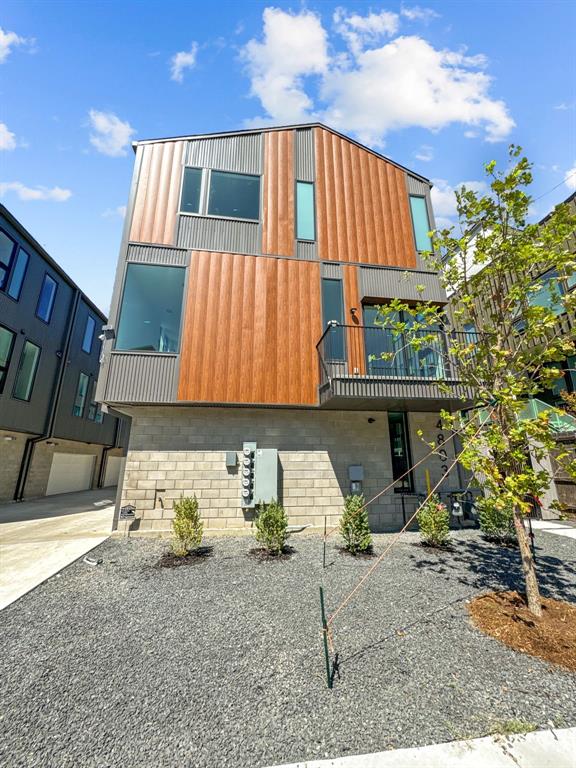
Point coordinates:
[[278, 194], [354, 339], [158, 193], [362, 205], [250, 330]]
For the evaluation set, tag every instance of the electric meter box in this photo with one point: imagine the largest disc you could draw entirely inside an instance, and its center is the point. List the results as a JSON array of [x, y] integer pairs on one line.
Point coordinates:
[[265, 475]]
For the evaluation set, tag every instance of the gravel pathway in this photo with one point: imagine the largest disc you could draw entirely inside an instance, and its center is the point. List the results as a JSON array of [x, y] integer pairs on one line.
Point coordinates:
[[219, 663]]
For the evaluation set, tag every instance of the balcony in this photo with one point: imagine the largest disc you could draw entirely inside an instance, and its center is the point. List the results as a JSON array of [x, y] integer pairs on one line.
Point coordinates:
[[354, 375]]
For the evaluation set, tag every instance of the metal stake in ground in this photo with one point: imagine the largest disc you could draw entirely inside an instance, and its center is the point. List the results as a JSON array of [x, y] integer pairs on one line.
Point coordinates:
[[325, 639]]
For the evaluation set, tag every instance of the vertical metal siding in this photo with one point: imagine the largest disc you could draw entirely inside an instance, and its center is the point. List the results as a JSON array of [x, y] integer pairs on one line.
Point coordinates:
[[304, 154], [200, 233], [398, 284], [306, 250], [240, 154], [333, 271], [153, 254], [142, 378]]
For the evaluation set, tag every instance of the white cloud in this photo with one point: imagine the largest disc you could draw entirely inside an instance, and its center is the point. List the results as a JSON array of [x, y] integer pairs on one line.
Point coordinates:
[[425, 153], [111, 135], [181, 61], [7, 138], [294, 46], [444, 199], [10, 40], [570, 178], [359, 31], [373, 89], [416, 13], [112, 213], [564, 106], [56, 194]]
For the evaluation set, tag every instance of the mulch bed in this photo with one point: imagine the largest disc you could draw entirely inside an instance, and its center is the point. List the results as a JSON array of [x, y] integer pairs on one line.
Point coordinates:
[[170, 560], [367, 554], [505, 616], [260, 553]]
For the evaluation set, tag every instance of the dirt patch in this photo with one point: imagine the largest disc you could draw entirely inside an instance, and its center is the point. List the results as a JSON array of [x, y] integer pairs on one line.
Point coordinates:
[[505, 616], [259, 553], [366, 555], [170, 560]]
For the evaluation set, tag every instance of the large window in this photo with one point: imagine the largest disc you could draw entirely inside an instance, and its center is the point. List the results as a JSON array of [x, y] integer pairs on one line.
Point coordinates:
[[305, 224], [18, 273], [27, 368], [151, 309], [81, 393], [6, 346], [400, 450], [191, 187], [88, 334], [234, 195], [420, 223], [7, 248], [46, 299], [333, 310], [549, 293]]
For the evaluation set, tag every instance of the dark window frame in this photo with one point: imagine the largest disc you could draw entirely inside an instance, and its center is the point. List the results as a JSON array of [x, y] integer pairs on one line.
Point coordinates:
[[407, 485], [85, 400], [201, 195], [6, 367], [305, 239], [421, 197], [13, 270], [42, 320], [34, 374], [7, 268], [204, 202], [83, 348]]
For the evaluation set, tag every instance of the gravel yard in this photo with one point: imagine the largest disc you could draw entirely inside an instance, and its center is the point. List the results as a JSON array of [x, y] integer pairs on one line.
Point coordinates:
[[219, 663]]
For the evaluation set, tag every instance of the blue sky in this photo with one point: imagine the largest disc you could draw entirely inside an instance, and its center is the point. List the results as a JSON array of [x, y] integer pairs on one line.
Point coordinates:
[[441, 87]]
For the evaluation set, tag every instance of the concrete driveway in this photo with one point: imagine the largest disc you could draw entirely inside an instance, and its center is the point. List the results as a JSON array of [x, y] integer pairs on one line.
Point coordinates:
[[38, 538]]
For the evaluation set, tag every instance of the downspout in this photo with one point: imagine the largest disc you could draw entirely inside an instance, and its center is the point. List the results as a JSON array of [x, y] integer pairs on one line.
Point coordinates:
[[49, 428]]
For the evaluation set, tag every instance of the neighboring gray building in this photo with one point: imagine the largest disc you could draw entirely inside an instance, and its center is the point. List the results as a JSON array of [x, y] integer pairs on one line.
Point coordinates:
[[54, 437]]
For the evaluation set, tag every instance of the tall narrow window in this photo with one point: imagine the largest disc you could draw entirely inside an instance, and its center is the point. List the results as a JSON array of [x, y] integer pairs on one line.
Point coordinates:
[[305, 224], [15, 285], [6, 346], [7, 248], [81, 392], [27, 368], [234, 195], [191, 187], [400, 451], [420, 223], [333, 310], [88, 334], [46, 299], [94, 409], [151, 309]]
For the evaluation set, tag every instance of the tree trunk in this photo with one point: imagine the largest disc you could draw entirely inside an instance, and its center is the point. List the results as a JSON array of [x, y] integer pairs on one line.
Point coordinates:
[[532, 590]]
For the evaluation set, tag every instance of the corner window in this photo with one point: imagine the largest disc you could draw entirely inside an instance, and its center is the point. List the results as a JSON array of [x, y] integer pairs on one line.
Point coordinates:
[[27, 368], [420, 223], [191, 186], [305, 224], [7, 248], [18, 273], [46, 299], [400, 451], [81, 392], [333, 310], [234, 195], [150, 314], [6, 347], [88, 334]]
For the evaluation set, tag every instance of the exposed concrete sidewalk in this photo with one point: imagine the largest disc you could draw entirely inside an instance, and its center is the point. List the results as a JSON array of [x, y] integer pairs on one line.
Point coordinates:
[[541, 749], [38, 538], [552, 526]]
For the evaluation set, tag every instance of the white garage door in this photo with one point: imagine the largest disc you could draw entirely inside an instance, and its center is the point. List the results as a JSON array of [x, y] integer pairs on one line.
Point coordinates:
[[70, 472], [114, 466]]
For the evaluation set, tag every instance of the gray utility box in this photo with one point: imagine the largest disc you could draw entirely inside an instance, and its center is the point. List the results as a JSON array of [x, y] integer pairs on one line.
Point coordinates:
[[266, 475]]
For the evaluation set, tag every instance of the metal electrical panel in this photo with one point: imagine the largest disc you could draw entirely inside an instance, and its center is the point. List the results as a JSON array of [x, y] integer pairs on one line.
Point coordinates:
[[266, 475], [247, 475]]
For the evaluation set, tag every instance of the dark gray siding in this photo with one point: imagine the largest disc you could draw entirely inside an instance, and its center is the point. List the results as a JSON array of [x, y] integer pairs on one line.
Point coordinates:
[[382, 283], [304, 154], [212, 234], [142, 378], [241, 154], [157, 254]]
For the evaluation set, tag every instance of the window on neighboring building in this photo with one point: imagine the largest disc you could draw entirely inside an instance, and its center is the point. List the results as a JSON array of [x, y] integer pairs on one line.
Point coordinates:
[[549, 293], [94, 409], [88, 334], [6, 347], [400, 451], [7, 248], [333, 310], [305, 224], [81, 393], [571, 281], [18, 273], [46, 299], [234, 195], [420, 223], [27, 368], [150, 313], [191, 188]]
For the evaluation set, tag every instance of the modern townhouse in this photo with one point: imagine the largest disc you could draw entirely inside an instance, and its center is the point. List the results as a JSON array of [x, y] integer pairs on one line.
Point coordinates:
[[54, 437], [243, 341]]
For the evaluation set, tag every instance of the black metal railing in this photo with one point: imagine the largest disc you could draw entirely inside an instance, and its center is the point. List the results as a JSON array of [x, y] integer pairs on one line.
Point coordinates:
[[377, 352]]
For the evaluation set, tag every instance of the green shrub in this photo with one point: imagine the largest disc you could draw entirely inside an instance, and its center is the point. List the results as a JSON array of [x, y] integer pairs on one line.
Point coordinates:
[[496, 522], [186, 526], [354, 526], [434, 522], [272, 527]]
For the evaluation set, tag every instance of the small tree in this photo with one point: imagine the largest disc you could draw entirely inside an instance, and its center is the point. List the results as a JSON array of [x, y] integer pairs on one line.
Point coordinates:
[[272, 527], [496, 521], [505, 275], [186, 526], [434, 522], [354, 525]]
